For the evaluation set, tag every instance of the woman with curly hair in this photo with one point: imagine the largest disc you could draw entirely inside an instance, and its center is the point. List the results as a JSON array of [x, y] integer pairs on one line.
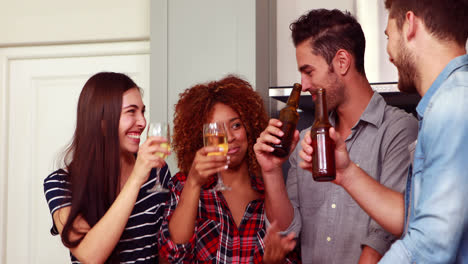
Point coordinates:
[[204, 226]]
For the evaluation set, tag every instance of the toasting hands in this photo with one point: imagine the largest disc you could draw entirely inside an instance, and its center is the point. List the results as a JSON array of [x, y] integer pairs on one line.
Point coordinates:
[[342, 160], [263, 149]]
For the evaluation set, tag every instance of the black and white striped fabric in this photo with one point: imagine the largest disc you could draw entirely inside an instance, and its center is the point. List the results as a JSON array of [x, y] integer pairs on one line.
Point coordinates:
[[138, 241]]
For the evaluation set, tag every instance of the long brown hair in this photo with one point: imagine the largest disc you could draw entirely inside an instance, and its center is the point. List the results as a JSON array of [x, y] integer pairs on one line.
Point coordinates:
[[93, 158], [194, 108]]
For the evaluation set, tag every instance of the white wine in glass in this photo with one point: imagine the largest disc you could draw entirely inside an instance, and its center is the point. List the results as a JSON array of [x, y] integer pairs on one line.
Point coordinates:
[[160, 129], [214, 134], [219, 140]]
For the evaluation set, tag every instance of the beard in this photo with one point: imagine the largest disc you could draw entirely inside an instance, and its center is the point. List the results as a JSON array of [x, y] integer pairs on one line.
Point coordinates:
[[334, 88], [335, 91], [406, 71]]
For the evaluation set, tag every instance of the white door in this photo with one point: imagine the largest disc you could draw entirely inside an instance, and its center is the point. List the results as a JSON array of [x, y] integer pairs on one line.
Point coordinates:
[[42, 94]]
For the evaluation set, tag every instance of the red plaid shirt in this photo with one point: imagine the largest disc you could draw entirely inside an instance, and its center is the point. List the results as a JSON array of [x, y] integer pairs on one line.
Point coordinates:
[[216, 239]]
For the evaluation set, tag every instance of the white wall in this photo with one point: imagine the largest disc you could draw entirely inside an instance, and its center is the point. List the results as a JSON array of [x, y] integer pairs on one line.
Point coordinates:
[[287, 12], [198, 41], [31, 24], [372, 16], [24, 22]]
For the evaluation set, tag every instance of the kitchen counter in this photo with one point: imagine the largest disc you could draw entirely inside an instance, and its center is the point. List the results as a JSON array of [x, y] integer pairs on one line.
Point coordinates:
[[389, 91]]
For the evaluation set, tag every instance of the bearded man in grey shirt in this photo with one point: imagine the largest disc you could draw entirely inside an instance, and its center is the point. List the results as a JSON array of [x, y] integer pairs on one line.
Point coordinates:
[[332, 227]]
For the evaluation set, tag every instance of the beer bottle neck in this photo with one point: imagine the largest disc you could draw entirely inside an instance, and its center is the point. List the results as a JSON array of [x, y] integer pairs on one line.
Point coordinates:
[[293, 99], [321, 112]]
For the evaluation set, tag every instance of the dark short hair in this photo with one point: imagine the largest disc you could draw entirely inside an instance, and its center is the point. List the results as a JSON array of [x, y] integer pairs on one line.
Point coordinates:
[[447, 20], [329, 31]]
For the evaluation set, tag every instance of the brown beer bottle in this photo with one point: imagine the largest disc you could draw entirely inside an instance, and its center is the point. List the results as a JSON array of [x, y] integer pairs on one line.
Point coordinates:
[[289, 117], [323, 157]]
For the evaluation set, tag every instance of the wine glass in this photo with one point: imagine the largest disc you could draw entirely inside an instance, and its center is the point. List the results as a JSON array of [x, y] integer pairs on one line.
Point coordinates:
[[214, 134], [159, 129]]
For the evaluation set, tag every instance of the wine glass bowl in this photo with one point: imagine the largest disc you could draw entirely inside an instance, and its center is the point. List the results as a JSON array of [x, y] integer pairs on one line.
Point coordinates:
[[214, 137], [214, 134], [159, 129]]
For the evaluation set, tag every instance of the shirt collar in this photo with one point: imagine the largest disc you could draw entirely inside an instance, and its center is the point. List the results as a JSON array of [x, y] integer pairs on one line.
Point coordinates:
[[257, 183], [446, 72], [373, 113]]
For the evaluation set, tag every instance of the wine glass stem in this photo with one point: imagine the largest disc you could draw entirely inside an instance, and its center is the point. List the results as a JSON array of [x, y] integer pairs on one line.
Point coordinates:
[[220, 179], [158, 182]]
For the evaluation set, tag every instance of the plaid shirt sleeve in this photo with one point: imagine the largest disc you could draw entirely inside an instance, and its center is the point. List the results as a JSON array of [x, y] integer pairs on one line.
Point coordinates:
[[216, 237], [174, 253]]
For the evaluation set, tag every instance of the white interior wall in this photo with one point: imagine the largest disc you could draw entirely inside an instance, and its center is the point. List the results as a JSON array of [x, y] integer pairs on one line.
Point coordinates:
[[198, 41], [25, 22], [372, 16]]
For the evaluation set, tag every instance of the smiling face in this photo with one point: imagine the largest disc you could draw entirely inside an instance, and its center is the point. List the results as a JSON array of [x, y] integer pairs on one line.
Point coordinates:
[[132, 121], [316, 73], [401, 57], [236, 133]]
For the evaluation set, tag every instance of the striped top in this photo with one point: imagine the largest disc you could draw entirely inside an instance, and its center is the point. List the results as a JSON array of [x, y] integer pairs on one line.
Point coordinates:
[[138, 241]]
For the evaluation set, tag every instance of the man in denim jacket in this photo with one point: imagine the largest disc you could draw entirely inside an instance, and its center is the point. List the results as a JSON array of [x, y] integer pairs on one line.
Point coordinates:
[[426, 42]]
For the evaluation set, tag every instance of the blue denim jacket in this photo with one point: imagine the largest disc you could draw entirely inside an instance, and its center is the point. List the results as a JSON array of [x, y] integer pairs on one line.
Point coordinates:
[[436, 223]]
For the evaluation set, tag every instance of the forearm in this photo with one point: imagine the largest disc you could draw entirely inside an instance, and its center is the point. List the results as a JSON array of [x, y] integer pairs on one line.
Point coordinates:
[[182, 222], [383, 204], [101, 239], [439, 219], [278, 207]]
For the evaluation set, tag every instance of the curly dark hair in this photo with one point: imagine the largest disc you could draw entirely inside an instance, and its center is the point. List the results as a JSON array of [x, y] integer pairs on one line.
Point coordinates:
[[195, 107], [329, 31]]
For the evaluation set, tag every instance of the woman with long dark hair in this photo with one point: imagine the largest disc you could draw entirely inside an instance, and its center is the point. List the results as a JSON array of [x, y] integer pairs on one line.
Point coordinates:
[[99, 201]]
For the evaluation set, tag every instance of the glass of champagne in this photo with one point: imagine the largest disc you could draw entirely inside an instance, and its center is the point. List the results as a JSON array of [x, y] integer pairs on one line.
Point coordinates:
[[159, 129], [214, 134]]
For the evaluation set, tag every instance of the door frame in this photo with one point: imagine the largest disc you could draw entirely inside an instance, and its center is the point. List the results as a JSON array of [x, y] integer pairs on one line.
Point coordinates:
[[9, 54]]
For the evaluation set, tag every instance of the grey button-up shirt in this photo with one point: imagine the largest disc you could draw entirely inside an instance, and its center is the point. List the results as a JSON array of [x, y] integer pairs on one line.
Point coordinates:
[[331, 224]]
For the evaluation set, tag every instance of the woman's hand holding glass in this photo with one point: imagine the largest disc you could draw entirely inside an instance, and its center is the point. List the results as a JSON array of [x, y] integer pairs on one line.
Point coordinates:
[[211, 159], [146, 158], [204, 166], [215, 134], [159, 140]]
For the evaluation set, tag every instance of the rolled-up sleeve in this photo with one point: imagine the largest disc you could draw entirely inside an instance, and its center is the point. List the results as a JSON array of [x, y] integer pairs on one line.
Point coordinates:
[[394, 171], [292, 189], [174, 253]]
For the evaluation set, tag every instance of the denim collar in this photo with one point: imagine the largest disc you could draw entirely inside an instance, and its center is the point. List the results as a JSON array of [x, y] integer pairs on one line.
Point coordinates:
[[449, 69]]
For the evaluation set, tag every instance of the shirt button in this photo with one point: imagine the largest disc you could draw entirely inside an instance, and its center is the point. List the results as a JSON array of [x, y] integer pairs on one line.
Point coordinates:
[[333, 206], [328, 239]]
